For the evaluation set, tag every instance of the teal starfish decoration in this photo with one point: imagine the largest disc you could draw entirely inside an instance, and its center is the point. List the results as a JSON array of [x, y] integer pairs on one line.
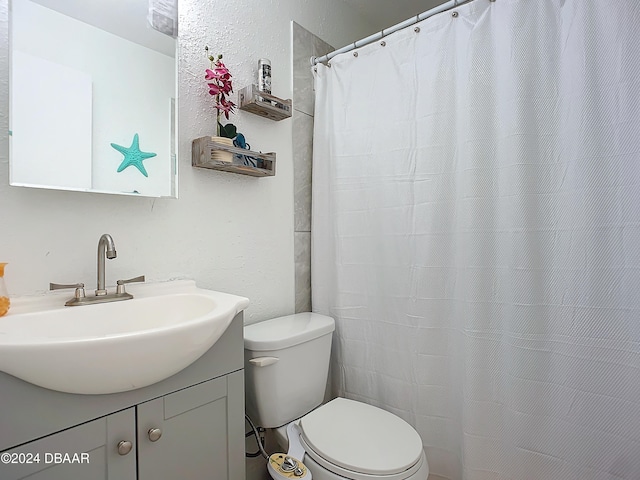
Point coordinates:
[[133, 156]]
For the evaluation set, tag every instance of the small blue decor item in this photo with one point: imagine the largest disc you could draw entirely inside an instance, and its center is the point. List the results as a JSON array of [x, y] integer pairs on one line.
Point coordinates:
[[133, 156], [248, 160], [241, 142]]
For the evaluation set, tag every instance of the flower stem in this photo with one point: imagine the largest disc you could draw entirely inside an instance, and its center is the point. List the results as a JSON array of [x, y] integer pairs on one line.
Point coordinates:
[[218, 117]]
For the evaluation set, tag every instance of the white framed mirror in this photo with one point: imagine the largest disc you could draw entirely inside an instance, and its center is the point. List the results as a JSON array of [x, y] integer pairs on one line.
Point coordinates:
[[93, 96]]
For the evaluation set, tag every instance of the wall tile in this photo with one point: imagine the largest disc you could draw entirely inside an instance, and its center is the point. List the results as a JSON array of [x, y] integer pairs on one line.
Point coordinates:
[[302, 248], [305, 45], [302, 154]]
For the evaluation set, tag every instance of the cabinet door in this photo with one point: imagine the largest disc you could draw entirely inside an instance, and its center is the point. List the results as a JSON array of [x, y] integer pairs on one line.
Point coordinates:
[[200, 430], [88, 452]]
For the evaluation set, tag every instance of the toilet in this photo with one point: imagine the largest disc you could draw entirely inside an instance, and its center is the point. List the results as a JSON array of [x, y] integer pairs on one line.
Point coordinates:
[[286, 368]]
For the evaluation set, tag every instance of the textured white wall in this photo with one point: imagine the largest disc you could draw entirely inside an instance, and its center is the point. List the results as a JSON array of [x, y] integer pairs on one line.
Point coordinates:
[[229, 232]]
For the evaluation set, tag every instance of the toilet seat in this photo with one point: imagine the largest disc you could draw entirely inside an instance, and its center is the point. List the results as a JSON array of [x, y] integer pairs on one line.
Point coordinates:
[[363, 441], [321, 472]]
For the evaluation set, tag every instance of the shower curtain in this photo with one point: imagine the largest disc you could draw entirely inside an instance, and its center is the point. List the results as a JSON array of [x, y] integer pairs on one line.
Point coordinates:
[[476, 235]]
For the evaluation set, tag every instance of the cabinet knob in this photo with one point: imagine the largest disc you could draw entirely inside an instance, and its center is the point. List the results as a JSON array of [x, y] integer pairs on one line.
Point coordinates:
[[124, 447], [154, 434]]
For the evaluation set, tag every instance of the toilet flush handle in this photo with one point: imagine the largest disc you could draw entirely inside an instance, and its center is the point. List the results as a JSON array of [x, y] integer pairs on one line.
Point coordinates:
[[263, 361]]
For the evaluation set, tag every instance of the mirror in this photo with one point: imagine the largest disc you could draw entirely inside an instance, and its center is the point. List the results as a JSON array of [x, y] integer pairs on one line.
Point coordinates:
[[93, 89]]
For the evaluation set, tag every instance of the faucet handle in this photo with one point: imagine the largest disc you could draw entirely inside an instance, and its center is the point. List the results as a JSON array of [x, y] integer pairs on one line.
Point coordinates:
[[122, 283], [78, 286]]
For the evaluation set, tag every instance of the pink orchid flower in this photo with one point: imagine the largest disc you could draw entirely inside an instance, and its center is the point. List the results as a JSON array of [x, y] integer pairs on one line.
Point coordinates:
[[218, 80], [221, 71], [226, 107], [209, 74], [214, 89]]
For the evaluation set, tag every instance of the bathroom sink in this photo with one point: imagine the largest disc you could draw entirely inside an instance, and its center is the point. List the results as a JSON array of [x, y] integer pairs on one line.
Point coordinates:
[[113, 347]]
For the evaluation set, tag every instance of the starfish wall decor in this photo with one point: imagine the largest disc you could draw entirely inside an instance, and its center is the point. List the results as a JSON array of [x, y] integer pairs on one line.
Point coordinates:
[[133, 156]]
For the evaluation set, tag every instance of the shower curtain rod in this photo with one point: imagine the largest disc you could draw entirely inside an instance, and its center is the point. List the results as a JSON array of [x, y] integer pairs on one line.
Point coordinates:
[[388, 31]]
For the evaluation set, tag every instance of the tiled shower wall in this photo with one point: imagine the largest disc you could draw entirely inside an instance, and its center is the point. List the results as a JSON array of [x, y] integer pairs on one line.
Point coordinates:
[[304, 45]]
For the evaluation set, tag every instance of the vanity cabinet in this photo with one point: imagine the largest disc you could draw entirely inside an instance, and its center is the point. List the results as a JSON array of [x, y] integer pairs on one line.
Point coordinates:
[[188, 427], [193, 429], [177, 436], [91, 450]]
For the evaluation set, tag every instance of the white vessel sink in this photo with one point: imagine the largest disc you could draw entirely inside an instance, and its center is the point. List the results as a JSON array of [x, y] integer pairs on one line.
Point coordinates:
[[113, 347]]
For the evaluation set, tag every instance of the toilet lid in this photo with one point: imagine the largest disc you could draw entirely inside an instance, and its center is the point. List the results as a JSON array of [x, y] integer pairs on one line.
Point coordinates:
[[361, 438]]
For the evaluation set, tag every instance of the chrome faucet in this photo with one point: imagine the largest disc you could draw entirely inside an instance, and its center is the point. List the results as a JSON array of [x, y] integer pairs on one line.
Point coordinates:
[[107, 248]]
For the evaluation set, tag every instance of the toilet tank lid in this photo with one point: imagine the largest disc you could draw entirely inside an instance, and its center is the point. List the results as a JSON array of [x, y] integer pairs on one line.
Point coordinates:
[[284, 332]]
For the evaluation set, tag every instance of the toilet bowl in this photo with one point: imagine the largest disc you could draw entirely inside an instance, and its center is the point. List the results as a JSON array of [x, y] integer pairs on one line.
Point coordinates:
[[286, 367], [349, 439]]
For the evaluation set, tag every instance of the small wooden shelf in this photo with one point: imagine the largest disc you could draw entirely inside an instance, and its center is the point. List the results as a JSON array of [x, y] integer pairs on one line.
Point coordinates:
[[245, 162], [253, 100]]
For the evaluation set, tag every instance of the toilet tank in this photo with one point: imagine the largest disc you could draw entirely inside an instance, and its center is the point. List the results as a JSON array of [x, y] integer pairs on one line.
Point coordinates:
[[286, 367]]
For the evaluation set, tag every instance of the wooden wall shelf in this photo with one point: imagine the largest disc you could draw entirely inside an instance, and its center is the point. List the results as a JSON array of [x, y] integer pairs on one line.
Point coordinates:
[[253, 100], [245, 162]]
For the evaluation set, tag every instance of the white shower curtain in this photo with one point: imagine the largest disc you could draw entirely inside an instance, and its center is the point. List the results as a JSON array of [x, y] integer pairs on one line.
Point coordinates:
[[476, 235]]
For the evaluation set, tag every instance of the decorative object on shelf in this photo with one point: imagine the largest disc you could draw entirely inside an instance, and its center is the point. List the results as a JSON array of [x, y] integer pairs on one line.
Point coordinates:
[[252, 100], [264, 75], [221, 155], [203, 152], [218, 80], [241, 142], [133, 155], [4, 295]]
